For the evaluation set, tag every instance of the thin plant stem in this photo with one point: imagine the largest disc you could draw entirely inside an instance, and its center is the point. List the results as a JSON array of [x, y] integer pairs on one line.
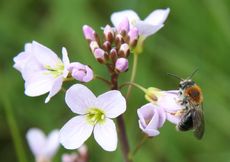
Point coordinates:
[[138, 146], [102, 79], [120, 120], [133, 84], [133, 74], [14, 129]]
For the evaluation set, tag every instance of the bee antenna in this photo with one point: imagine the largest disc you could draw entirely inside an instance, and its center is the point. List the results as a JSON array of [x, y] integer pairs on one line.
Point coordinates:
[[193, 73], [173, 75]]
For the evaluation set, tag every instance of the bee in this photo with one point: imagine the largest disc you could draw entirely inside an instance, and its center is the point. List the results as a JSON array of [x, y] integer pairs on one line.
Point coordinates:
[[191, 99]]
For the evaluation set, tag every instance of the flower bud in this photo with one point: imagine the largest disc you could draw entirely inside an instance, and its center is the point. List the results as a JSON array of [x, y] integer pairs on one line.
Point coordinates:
[[106, 46], [93, 45], [108, 33], [119, 40], [113, 54], [123, 27], [99, 54], [124, 50], [80, 72], [121, 65], [89, 33], [133, 36], [151, 94]]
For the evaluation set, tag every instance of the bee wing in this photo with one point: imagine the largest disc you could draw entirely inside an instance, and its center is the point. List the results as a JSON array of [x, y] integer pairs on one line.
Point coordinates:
[[198, 123]]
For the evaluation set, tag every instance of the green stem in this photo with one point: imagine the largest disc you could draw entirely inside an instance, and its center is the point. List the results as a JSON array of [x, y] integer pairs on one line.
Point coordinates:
[[102, 79], [18, 144], [133, 74], [133, 84], [138, 146]]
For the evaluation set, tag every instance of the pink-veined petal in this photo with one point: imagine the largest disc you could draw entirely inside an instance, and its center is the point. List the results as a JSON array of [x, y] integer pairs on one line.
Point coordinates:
[[39, 84], [112, 102], [56, 87], [52, 144], [75, 132], [149, 131], [79, 98], [105, 134], [118, 17], [157, 17], [36, 140], [66, 61], [44, 55]]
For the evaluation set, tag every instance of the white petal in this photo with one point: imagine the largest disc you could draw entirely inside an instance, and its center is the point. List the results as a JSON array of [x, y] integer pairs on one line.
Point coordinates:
[[106, 135], [66, 61], [146, 29], [112, 102], [44, 55], [39, 84], [52, 144], [157, 17], [57, 85], [117, 17], [36, 140], [75, 132], [22, 58], [79, 98]]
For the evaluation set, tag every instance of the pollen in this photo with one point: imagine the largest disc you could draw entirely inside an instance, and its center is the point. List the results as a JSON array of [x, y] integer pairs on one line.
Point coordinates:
[[95, 115]]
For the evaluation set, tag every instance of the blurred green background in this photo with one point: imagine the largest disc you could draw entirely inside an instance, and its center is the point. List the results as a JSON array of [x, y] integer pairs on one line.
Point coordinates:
[[196, 34]]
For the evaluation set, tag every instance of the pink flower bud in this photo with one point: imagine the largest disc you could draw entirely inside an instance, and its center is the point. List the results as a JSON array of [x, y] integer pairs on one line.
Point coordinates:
[[123, 27], [89, 33], [121, 65], [80, 72], [93, 45], [99, 54], [151, 118], [133, 36], [124, 50], [109, 33]]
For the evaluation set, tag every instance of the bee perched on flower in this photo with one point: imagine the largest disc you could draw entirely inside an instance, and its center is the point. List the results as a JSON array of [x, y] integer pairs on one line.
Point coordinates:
[[192, 99]]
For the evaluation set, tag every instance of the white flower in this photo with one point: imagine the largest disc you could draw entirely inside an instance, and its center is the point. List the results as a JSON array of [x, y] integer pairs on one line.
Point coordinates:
[[41, 69], [150, 25], [43, 148], [94, 116]]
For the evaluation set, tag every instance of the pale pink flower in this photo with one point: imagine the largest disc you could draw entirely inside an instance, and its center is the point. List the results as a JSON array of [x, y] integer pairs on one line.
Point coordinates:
[[42, 147], [151, 118], [41, 69], [94, 116]]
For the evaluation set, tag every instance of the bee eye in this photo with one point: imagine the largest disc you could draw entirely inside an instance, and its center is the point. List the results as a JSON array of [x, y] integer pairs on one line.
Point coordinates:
[[180, 93]]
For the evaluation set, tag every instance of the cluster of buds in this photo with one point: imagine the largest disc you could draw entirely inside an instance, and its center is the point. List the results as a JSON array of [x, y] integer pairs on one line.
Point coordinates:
[[116, 45]]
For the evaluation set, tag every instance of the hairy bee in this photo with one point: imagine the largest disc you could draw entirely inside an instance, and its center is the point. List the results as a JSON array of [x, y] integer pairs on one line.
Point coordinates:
[[191, 99]]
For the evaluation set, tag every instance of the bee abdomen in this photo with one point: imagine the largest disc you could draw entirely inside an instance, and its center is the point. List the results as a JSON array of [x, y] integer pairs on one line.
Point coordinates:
[[186, 122]]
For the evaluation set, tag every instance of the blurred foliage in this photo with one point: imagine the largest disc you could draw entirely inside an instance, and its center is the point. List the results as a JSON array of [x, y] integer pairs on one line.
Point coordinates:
[[196, 34]]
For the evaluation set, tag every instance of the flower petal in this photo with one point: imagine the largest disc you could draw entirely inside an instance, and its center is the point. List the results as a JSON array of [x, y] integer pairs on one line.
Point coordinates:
[[56, 87], [157, 17], [105, 134], [66, 61], [44, 55], [22, 58], [52, 144], [149, 131], [112, 102], [146, 29], [75, 132], [36, 140], [118, 17], [169, 101], [79, 98], [39, 84]]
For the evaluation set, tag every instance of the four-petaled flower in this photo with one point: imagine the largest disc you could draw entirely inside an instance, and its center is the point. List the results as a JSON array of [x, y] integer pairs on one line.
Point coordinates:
[[94, 116], [43, 148], [41, 69]]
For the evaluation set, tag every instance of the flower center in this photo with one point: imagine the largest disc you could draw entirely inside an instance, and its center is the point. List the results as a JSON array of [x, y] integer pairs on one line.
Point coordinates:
[[95, 115], [55, 71]]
